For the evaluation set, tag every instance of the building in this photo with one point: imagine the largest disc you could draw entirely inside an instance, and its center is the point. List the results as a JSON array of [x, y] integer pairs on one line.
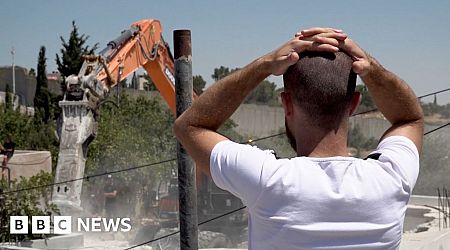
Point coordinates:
[[25, 85], [54, 81]]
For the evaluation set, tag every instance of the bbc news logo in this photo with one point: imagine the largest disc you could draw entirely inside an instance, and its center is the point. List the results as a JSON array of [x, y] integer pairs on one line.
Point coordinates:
[[63, 225]]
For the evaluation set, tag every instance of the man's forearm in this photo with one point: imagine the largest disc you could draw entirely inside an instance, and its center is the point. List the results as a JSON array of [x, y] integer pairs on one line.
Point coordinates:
[[393, 97], [220, 101]]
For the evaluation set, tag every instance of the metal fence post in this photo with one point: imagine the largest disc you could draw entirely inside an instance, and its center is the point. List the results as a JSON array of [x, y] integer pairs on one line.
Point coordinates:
[[186, 168]]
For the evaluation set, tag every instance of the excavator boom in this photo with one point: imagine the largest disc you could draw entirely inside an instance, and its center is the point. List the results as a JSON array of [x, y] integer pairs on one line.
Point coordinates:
[[140, 46]]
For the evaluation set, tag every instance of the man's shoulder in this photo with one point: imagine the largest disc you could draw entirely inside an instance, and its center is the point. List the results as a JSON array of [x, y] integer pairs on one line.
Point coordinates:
[[397, 142]]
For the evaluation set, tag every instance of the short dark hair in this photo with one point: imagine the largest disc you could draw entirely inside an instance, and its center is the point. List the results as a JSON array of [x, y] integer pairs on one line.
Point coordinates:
[[322, 84]]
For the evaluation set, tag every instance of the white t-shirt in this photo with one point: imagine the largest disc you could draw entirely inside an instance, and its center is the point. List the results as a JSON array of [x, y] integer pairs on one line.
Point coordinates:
[[320, 203]]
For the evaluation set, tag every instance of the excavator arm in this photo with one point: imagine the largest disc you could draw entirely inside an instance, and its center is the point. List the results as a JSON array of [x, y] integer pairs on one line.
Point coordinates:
[[141, 46]]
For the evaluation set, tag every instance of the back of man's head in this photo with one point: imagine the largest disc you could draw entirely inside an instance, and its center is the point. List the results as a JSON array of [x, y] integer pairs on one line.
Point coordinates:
[[322, 85]]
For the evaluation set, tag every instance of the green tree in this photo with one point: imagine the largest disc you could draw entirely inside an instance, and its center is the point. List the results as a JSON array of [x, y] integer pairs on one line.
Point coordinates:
[[134, 81], [199, 84], [221, 72], [70, 61], [137, 133], [29, 132], [42, 96], [8, 100], [265, 93], [366, 101], [32, 72], [26, 203]]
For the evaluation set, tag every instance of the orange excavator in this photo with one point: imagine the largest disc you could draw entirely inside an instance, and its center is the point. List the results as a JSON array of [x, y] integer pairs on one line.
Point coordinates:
[[140, 46]]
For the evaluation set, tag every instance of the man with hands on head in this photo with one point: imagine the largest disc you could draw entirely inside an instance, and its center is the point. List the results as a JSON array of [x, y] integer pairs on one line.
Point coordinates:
[[321, 199]]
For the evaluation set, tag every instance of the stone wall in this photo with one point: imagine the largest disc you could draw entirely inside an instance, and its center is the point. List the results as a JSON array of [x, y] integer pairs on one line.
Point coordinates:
[[259, 121], [28, 163], [25, 84]]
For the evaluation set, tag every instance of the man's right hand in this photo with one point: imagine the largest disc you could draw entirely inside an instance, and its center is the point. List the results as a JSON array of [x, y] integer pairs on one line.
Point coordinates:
[[393, 97], [362, 62]]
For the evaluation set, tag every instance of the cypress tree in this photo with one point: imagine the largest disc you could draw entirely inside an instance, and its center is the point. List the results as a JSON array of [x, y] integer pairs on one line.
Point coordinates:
[[70, 61], [42, 96], [8, 99]]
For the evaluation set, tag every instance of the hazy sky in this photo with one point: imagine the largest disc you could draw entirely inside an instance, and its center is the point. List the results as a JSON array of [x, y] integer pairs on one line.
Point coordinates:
[[410, 38]]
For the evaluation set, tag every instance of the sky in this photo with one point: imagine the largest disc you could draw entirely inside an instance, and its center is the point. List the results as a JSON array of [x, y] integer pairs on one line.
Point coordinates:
[[410, 38]]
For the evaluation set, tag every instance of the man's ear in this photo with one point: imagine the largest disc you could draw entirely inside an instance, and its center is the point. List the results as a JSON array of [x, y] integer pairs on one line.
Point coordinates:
[[356, 100], [286, 100]]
